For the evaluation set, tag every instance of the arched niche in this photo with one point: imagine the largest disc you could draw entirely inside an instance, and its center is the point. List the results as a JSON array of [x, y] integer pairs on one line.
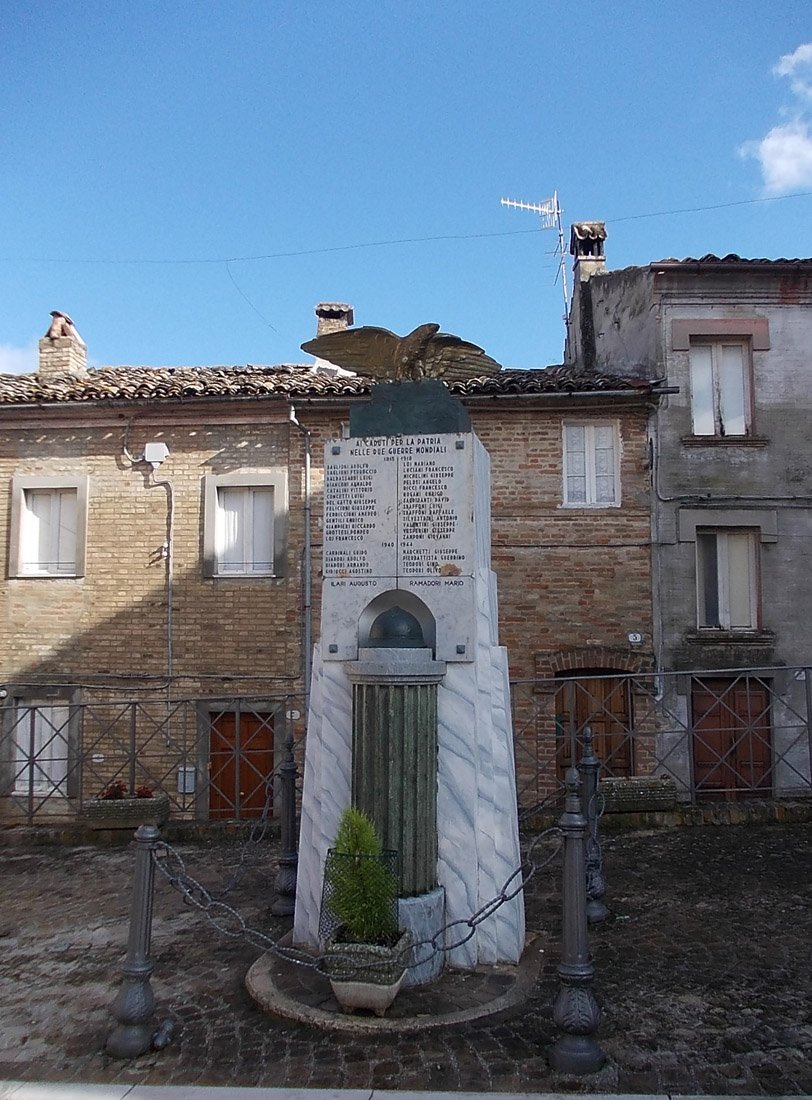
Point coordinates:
[[389, 601]]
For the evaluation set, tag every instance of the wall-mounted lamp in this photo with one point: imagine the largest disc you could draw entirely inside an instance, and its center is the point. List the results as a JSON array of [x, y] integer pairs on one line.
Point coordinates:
[[155, 453]]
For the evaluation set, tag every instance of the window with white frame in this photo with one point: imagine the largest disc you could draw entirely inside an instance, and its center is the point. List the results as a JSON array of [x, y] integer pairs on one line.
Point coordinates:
[[591, 471], [720, 388], [244, 530], [244, 524], [48, 525], [727, 580], [40, 739]]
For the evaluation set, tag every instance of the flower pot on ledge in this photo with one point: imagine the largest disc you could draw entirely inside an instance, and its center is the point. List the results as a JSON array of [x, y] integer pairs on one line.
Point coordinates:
[[126, 813]]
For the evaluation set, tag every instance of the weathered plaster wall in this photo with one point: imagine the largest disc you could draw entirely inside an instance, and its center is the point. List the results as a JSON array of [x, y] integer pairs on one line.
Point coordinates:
[[623, 320], [772, 473]]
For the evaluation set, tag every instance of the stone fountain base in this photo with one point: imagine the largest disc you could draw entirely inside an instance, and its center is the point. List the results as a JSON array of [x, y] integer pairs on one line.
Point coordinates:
[[300, 993]]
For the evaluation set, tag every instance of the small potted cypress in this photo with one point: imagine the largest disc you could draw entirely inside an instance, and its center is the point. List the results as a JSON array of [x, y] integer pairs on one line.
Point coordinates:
[[366, 953]]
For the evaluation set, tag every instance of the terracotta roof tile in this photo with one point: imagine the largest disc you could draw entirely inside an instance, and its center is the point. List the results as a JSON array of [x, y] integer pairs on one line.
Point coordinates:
[[732, 258], [123, 384]]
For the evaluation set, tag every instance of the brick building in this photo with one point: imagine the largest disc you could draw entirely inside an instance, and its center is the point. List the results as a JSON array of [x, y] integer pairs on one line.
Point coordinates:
[[161, 542]]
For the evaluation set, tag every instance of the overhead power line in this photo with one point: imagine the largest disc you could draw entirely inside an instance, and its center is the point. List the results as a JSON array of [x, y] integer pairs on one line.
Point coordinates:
[[386, 244], [715, 206], [275, 255]]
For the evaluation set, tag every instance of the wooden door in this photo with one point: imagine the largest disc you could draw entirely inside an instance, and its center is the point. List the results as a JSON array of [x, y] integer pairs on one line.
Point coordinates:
[[604, 704], [731, 737], [241, 760]]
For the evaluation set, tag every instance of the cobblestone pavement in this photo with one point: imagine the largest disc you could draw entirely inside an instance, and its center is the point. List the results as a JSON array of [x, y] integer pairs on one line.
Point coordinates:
[[703, 971]]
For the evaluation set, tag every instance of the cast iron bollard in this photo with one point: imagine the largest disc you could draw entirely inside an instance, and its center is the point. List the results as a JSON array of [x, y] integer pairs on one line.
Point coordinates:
[[134, 1006], [285, 884], [575, 1010], [596, 911]]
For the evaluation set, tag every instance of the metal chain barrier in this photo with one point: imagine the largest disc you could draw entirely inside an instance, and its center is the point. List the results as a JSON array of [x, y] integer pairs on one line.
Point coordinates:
[[226, 920], [552, 801], [259, 827], [256, 834], [575, 1011]]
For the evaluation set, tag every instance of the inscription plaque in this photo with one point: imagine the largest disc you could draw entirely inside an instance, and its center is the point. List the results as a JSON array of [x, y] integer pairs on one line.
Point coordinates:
[[398, 506], [399, 515]]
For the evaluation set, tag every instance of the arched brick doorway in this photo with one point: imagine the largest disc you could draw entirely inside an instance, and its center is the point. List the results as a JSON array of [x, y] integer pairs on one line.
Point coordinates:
[[602, 699]]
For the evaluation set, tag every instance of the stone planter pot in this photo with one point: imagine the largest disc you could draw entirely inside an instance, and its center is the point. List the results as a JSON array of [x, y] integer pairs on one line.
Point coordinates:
[[357, 984], [126, 813], [638, 794]]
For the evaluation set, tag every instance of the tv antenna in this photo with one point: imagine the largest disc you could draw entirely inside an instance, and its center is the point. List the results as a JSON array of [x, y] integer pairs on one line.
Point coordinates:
[[550, 213]]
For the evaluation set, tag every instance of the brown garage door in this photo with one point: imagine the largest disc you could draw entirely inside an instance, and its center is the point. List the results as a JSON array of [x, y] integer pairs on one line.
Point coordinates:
[[731, 737], [604, 703], [241, 759]]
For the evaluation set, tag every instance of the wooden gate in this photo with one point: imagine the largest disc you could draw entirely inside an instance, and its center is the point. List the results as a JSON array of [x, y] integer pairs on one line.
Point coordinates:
[[603, 703], [731, 737], [241, 760]]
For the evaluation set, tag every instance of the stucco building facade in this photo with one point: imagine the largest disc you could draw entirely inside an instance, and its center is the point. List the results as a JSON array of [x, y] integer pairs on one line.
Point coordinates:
[[731, 495]]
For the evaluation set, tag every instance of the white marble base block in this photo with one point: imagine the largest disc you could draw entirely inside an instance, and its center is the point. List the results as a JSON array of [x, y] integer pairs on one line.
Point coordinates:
[[327, 788], [477, 815], [424, 917]]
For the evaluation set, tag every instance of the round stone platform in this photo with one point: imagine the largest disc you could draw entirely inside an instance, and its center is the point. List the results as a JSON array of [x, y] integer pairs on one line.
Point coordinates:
[[303, 994]]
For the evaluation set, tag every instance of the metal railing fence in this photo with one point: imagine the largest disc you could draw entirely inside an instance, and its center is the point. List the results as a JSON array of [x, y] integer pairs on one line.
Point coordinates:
[[719, 735], [215, 758]]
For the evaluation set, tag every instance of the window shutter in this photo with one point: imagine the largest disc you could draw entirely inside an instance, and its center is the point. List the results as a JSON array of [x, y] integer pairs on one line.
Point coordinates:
[[741, 581], [575, 458], [702, 390], [732, 395], [35, 531], [262, 530], [65, 527], [230, 529], [604, 458]]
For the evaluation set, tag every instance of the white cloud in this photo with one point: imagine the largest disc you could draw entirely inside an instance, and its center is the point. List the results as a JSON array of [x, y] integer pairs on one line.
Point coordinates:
[[798, 66], [785, 152], [785, 155], [14, 360]]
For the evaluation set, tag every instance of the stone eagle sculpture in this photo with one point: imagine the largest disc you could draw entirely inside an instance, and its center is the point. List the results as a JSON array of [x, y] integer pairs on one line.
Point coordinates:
[[424, 353]]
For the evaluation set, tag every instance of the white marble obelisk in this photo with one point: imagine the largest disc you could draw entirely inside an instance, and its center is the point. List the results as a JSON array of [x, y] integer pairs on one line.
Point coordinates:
[[407, 523]]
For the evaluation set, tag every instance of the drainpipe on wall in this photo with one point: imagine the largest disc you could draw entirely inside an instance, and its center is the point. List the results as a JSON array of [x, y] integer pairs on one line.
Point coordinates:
[[168, 550], [154, 454], [656, 555], [307, 629]]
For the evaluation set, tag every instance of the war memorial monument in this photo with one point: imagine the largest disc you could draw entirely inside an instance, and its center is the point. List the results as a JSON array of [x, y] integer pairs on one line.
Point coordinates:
[[409, 714]]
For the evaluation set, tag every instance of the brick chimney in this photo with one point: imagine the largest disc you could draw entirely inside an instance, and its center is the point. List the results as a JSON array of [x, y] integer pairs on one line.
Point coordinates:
[[62, 350], [332, 317], [586, 245]]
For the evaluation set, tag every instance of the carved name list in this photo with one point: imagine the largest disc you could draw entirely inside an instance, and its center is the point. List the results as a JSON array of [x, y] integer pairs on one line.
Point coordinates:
[[398, 506]]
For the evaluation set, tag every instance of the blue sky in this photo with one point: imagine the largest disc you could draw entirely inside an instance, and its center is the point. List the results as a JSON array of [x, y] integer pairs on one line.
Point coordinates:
[[145, 143]]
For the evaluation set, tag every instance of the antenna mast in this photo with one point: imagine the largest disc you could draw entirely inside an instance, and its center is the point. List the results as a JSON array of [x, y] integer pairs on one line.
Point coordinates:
[[550, 214]]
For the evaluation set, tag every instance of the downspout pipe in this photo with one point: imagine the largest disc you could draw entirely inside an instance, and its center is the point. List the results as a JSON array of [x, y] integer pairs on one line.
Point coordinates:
[[169, 552], [167, 549], [307, 555]]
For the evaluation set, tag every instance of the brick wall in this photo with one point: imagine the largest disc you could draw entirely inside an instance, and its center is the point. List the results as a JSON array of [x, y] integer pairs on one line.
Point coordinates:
[[569, 578], [573, 582], [239, 631]]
